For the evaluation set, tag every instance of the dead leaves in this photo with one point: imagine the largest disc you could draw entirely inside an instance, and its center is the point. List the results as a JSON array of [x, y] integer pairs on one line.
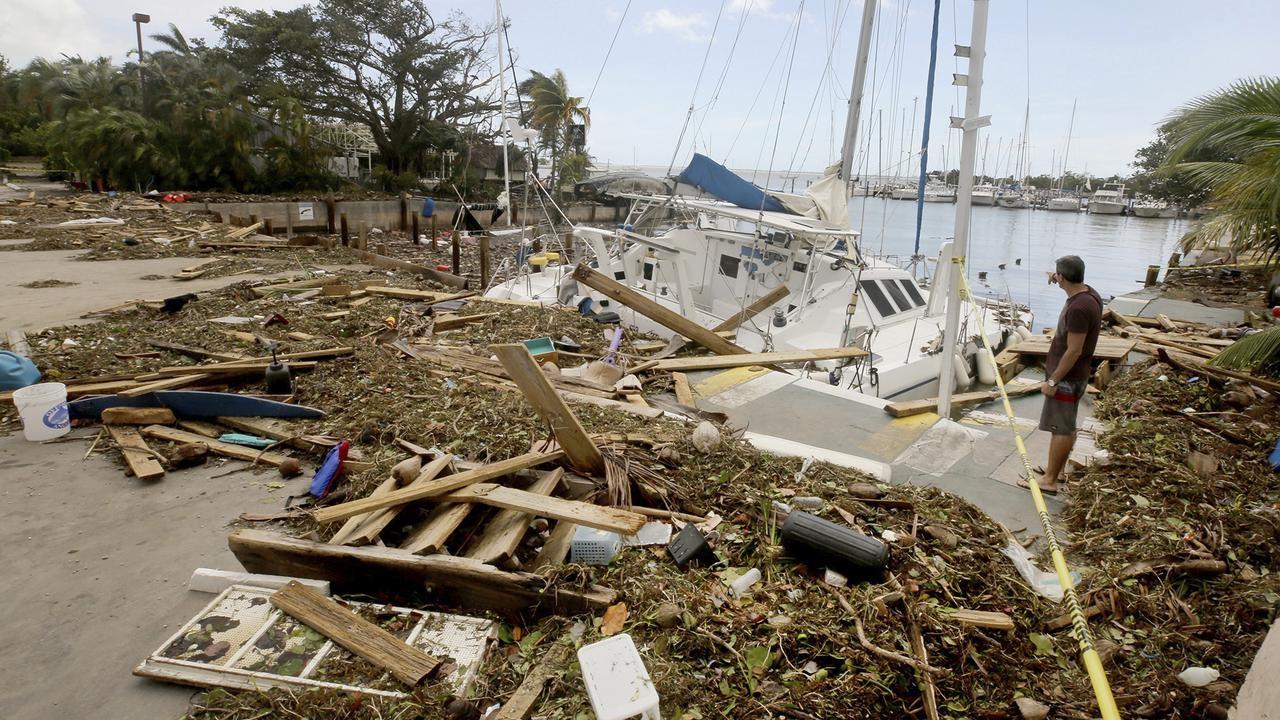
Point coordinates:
[[614, 618]]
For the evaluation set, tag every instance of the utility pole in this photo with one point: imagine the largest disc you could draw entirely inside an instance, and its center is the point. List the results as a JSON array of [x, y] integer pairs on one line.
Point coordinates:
[[139, 19], [969, 124]]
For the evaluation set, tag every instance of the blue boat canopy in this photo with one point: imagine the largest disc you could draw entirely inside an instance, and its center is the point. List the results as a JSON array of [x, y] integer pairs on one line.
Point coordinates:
[[720, 182]]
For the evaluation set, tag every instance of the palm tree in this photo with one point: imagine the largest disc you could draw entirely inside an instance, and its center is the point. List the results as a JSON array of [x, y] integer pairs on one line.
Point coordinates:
[[553, 111], [1239, 128]]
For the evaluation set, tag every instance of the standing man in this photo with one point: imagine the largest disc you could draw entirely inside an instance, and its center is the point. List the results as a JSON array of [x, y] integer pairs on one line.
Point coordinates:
[[1068, 365]]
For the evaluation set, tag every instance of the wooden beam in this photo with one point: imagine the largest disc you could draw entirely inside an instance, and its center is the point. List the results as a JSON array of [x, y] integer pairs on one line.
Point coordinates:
[[1189, 363], [600, 517], [432, 534], [164, 384], [137, 454], [138, 416], [406, 663], [389, 263], [755, 308], [370, 525], [556, 549], [462, 582], [198, 353], [521, 702], [1109, 348], [961, 400], [220, 369], [240, 452], [654, 311], [437, 487], [765, 358], [503, 533], [453, 322], [422, 296], [537, 389], [684, 391]]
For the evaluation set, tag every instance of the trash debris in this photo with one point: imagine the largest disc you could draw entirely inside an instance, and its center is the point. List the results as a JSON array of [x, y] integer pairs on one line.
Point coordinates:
[[617, 681], [706, 437], [1198, 676]]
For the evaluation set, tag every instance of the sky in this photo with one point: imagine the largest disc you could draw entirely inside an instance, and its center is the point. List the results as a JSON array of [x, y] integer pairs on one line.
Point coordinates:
[[1125, 64]]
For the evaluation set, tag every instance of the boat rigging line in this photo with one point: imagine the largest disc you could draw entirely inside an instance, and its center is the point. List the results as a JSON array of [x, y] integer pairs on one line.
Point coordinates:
[[928, 116], [600, 72], [693, 98]]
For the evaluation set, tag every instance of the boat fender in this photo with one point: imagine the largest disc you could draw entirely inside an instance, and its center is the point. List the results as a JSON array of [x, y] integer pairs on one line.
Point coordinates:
[[961, 369], [986, 371], [1023, 332], [1011, 341]]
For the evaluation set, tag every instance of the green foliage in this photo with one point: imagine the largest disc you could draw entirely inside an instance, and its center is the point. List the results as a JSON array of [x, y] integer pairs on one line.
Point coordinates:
[[554, 112], [1228, 143], [1258, 351], [1153, 178], [387, 64]]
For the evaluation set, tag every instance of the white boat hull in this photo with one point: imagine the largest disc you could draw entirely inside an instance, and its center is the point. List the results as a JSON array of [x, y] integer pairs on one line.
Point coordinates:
[[1148, 211], [1105, 207], [983, 199], [1063, 204]]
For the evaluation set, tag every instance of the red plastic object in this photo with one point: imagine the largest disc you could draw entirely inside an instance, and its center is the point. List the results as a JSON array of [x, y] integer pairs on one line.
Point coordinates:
[[443, 268]]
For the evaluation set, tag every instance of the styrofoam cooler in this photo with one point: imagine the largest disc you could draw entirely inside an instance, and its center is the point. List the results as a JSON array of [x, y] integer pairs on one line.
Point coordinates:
[[43, 408]]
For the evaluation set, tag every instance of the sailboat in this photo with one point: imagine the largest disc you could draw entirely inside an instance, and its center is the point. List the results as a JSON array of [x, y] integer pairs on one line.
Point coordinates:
[[720, 244], [1061, 201]]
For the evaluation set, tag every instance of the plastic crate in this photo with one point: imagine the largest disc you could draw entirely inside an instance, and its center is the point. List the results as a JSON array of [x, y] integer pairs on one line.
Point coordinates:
[[617, 681], [594, 547]]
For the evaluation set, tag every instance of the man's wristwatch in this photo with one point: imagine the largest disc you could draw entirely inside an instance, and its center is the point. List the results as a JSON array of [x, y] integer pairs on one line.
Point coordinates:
[[1052, 383]]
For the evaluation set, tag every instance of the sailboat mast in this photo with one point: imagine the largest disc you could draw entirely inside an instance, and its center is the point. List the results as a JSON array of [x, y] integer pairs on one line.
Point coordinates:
[[970, 124], [1071, 126], [502, 85], [928, 116], [855, 95]]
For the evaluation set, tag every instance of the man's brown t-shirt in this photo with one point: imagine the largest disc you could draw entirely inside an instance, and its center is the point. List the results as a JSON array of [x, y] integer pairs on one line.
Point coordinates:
[[1081, 314]]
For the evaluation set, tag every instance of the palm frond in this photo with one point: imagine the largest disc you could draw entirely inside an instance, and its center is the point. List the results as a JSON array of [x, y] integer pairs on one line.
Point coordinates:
[[1258, 351]]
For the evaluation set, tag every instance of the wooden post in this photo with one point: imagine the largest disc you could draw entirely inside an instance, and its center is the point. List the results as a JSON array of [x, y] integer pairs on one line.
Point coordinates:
[[414, 230], [1175, 260], [457, 252], [484, 262], [346, 236], [289, 210], [253, 219], [433, 231], [363, 236], [1153, 274], [268, 228], [577, 445], [404, 212], [331, 212]]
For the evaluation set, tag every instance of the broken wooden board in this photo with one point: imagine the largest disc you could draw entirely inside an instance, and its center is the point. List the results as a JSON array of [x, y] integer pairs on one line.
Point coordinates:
[[462, 581], [537, 389], [137, 454], [755, 308], [407, 664], [431, 535], [1109, 348], [168, 383], [556, 548], [623, 522], [198, 353], [453, 322], [766, 358], [138, 416], [521, 702], [367, 527], [959, 400], [239, 452], [421, 296], [437, 487], [502, 534]]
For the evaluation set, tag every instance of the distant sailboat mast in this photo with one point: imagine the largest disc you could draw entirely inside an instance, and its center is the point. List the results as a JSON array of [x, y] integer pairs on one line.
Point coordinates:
[[850, 145]]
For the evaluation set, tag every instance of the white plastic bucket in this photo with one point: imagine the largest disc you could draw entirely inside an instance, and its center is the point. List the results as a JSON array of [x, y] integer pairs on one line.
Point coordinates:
[[43, 408]]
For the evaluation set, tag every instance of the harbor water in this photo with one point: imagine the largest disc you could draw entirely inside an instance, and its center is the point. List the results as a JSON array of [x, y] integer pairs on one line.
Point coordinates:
[[1116, 248]]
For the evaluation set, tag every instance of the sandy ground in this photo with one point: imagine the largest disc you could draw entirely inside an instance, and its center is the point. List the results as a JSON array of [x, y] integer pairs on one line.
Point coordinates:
[[95, 571]]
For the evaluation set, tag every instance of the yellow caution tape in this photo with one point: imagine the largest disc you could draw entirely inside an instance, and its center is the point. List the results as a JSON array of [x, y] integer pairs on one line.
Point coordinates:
[[1079, 626]]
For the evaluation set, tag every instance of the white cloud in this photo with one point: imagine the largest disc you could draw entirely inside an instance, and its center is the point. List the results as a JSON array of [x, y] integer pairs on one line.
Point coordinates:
[[48, 28], [688, 26]]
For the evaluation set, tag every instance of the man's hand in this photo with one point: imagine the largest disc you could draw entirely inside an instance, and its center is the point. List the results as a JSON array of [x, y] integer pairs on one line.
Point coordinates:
[[1047, 389]]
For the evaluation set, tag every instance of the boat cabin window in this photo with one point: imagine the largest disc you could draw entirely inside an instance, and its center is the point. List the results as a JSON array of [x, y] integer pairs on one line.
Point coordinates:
[[729, 265], [895, 292], [917, 300], [892, 297], [871, 289]]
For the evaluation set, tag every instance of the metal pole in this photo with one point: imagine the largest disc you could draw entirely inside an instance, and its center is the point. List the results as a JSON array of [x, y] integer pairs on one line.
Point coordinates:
[[964, 200], [855, 95], [138, 20], [928, 118], [502, 83]]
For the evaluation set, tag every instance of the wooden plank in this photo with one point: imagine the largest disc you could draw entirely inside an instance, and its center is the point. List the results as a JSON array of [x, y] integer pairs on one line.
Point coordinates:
[[521, 702], [437, 487], [960, 400], [556, 549], [648, 347], [137, 454], [503, 533], [353, 524], [423, 296], [389, 263], [138, 416], [107, 387], [432, 534], [537, 389], [1108, 348], [600, 517], [240, 452], [461, 582], [1155, 339], [1166, 323], [220, 369], [406, 663], [755, 308], [684, 392], [372, 524], [18, 342], [654, 311], [764, 359], [199, 427], [453, 322], [164, 384], [979, 618], [1191, 363]]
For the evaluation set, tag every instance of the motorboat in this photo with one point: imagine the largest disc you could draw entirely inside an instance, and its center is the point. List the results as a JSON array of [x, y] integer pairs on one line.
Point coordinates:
[[1108, 200], [1150, 208], [1063, 203], [984, 194]]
